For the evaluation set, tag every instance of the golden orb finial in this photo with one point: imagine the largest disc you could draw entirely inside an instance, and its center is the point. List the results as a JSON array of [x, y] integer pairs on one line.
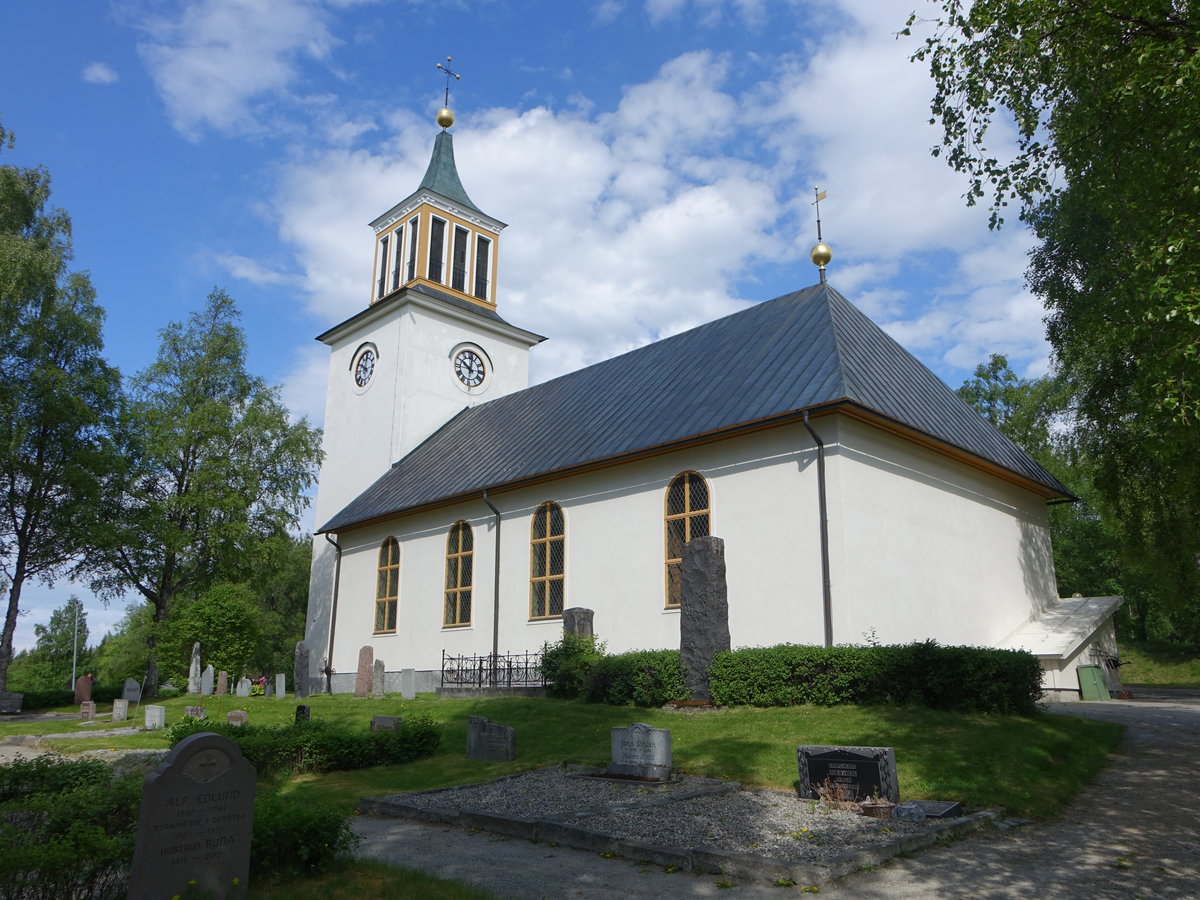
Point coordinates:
[[820, 254], [445, 118]]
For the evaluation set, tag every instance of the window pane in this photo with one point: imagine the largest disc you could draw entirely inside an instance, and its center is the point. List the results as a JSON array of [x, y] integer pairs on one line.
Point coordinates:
[[458, 276], [699, 527], [675, 497], [393, 583], [556, 557], [451, 608], [412, 249], [397, 255], [464, 607], [537, 599], [467, 540], [556, 597], [465, 574], [539, 522], [437, 238], [673, 574], [452, 572], [383, 267], [391, 615], [538, 560], [381, 584], [676, 537], [380, 617], [556, 519], [698, 490], [482, 246]]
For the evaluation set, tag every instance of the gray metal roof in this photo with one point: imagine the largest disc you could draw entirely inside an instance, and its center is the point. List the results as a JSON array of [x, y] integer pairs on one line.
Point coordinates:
[[807, 350], [442, 175]]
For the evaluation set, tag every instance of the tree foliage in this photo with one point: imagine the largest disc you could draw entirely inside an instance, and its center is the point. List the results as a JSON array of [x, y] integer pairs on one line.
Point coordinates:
[[225, 621], [61, 649], [215, 466], [1104, 100], [58, 395]]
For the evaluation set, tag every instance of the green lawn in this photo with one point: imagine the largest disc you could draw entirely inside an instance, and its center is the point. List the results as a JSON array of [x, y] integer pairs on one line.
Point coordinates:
[[1160, 664], [1030, 765]]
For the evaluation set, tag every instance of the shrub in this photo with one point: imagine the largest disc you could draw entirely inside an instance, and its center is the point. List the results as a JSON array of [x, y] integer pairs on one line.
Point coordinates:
[[297, 838], [970, 679], [567, 664], [47, 775], [318, 746], [642, 678]]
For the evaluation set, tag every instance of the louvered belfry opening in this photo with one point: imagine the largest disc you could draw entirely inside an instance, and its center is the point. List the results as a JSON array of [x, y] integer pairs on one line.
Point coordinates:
[[688, 517], [547, 556], [460, 545]]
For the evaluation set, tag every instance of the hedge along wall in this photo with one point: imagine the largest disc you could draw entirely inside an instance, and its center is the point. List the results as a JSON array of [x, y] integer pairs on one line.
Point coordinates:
[[970, 679]]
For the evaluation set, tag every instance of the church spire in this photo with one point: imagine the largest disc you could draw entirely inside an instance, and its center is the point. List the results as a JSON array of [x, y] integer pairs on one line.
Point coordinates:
[[442, 175]]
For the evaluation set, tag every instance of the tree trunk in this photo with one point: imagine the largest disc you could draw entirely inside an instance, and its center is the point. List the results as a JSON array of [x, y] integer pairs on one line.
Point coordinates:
[[162, 603], [10, 618]]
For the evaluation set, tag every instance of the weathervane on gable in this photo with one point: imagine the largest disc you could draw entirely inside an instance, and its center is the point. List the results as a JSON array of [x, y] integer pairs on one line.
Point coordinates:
[[445, 118], [820, 254]]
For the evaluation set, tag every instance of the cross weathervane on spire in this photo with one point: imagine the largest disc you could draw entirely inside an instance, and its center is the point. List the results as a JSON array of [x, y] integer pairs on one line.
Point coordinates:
[[820, 253], [445, 118]]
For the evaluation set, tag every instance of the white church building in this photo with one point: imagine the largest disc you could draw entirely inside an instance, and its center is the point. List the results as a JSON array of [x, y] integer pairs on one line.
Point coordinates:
[[460, 511]]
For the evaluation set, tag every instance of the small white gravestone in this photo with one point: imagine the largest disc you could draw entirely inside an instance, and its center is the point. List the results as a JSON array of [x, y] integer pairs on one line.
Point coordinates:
[[196, 822], [120, 710], [280, 685], [156, 716], [408, 684], [206, 681], [87, 709], [641, 751], [243, 687]]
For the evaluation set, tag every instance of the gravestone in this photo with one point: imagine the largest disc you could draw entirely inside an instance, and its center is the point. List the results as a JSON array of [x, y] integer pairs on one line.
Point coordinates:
[[10, 702], [641, 751], [303, 713], [860, 772], [195, 825], [83, 687], [300, 665], [194, 712], [377, 673], [206, 681], [408, 684], [194, 670], [156, 716], [703, 611], [490, 741], [243, 687], [120, 710], [267, 689], [236, 717], [222, 683], [385, 723], [362, 681], [280, 685], [87, 709], [578, 620], [132, 690]]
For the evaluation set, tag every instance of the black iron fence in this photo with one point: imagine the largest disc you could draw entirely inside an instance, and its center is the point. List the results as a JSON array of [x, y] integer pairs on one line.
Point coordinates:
[[504, 670]]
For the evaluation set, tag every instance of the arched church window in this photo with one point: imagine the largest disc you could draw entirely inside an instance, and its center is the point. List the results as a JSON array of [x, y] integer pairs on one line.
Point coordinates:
[[546, 562], [460, 546], [387, 586], [687, 517]]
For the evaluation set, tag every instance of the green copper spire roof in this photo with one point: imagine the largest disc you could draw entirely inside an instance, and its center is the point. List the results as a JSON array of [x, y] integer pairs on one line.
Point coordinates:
[[442, 175]]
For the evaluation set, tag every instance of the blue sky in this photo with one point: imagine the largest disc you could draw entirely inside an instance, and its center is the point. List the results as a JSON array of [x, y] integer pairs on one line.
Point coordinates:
[[654, 159]]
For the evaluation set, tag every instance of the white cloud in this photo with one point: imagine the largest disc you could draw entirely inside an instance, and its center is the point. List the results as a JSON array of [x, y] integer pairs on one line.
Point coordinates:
[[214, 60], [304, 386], [100, 73], [254, 271]]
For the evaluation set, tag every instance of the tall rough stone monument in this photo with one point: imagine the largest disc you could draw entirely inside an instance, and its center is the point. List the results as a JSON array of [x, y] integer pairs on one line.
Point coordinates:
[[578, 620], [196, 822], [366, 663], [194, 670], [206, 681], [703, 611], [83, 688], [377, 677], [300, 664]]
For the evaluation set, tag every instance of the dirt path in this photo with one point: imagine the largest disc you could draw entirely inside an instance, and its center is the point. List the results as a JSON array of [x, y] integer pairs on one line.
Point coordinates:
[[1133, 833]]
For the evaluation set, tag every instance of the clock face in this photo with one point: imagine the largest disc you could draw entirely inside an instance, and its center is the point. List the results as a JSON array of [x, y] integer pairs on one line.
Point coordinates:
[[364, 368], [469, 368]]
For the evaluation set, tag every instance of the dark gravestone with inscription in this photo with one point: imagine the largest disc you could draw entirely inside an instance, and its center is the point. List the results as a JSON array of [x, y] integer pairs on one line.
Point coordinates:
[[859, 773], [386, 723], [300, 664], [10, 702], [490, 741], [703, 611], [196, 822], [641, 751]]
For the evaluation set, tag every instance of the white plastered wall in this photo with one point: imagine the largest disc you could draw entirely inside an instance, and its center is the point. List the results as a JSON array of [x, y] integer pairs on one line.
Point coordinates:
[[921, 546]]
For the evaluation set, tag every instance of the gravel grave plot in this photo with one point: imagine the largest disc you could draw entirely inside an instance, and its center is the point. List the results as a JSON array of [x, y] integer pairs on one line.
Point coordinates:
[[687, 812]]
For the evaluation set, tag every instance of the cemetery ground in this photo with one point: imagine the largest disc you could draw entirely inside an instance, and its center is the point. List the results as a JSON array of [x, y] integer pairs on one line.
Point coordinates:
[[1032, 766]]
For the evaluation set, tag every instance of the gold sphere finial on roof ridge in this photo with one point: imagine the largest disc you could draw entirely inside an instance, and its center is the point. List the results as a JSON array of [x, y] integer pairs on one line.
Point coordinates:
[[445, 117]]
